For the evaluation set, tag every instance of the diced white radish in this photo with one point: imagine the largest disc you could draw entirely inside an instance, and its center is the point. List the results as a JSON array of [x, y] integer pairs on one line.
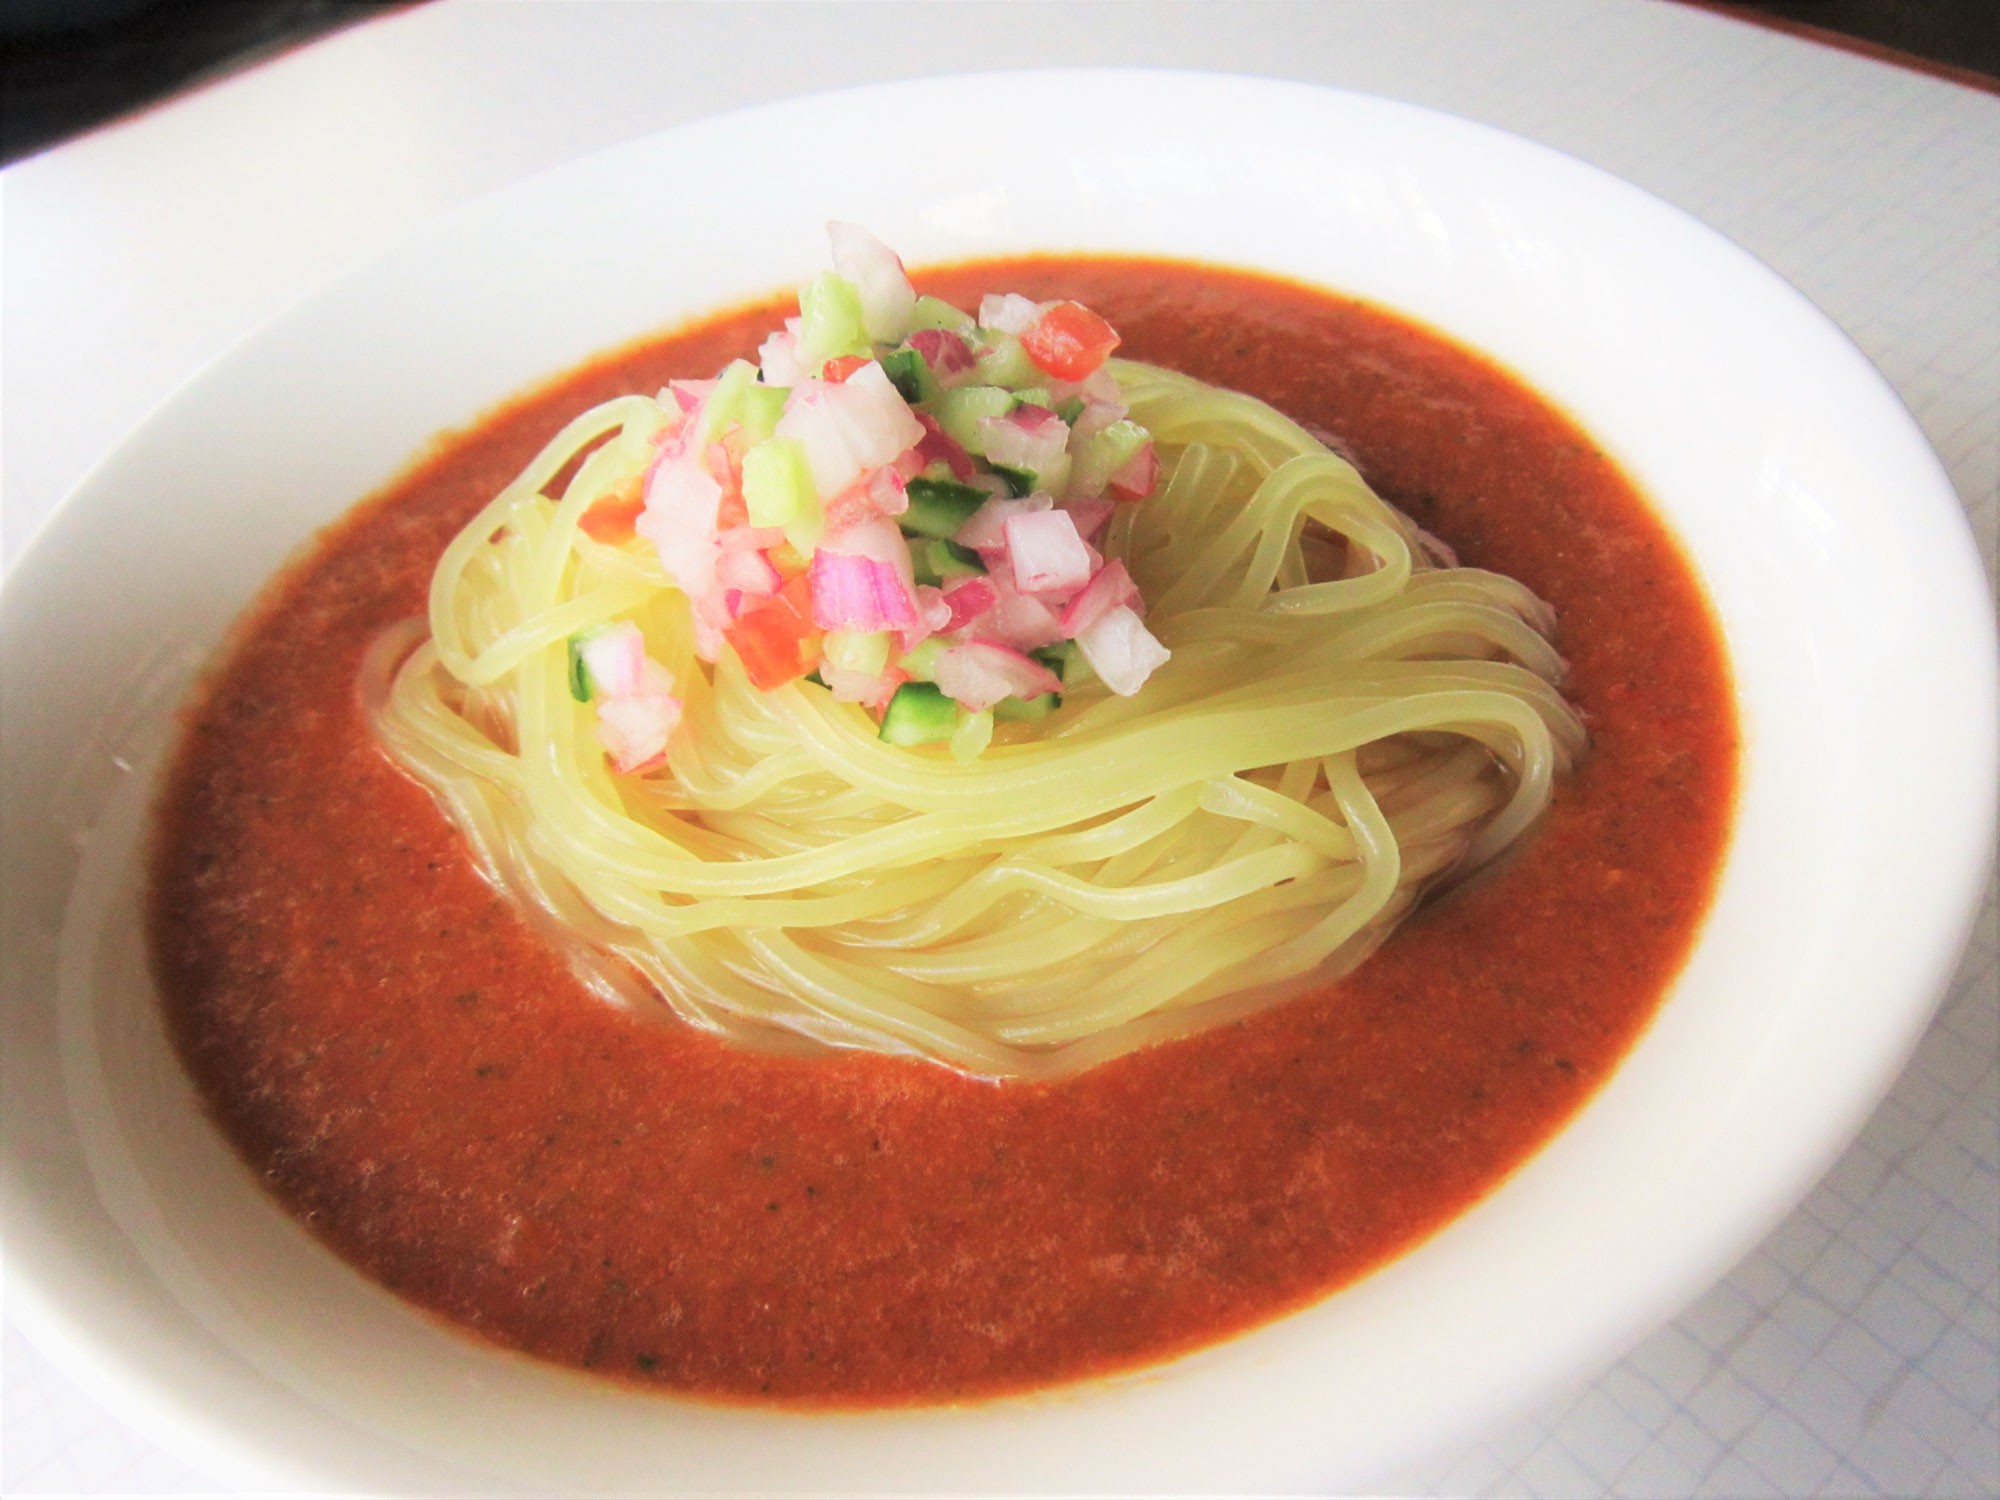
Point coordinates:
[[1098, 415], [968, 601], [887, 298], [1016, 619], [1120, 650], [1046, 553], [749, 572]]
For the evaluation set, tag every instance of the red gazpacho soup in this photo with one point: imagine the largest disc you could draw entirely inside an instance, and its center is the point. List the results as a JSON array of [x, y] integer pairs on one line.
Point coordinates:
[[417, 1076]]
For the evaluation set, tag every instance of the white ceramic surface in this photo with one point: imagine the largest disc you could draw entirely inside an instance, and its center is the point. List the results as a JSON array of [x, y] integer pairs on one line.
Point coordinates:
[[1835, 553]]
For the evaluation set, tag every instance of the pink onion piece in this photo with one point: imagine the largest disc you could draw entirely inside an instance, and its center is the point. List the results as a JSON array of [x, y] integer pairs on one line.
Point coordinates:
[[948, 355], [985, 530], [859, 584], [936, 444], [1137, 475], [1022, 621], [1028, 437], [967, 601], [1045, 552], [980, 673], [1089, 515], [1009, 312], [616, 659], [1108, 588]]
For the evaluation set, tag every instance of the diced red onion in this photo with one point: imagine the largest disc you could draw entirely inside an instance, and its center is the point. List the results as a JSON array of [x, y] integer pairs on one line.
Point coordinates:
[[1109, 587], [859, 424], [1089, 515], [861, 580], [1016, 619], [979, 674], [860, 687], [887, 298], [1098, 415], [967, 602], [748, 571], [778, 356], [1137, 475], [1028, 437], [1045, 552], [937, 444], [948, 355], [1120, 650], [985, 529], [1009, 312], [615, 658]]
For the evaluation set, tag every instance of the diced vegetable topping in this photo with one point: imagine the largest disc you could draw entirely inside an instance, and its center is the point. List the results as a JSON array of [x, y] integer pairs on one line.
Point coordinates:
[[899, 503]]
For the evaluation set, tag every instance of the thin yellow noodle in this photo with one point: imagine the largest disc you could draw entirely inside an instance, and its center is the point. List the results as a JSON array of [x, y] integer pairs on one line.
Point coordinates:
[[1341, 723]]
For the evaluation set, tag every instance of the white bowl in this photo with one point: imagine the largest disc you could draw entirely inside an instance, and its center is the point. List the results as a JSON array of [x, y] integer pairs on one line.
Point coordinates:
[[1830, 542]]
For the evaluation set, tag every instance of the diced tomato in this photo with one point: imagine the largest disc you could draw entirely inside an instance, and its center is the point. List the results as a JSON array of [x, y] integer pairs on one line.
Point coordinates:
[[778, 642], [610, 517], [1069, 341], [837, 370]]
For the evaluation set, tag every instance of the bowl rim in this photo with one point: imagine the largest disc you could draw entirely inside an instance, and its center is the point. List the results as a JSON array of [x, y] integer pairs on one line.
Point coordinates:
[[1957, 594]]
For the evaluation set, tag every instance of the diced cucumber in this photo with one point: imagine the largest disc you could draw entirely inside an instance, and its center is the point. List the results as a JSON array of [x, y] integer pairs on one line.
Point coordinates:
[[972, 735], [725, 402], [1096, 458], [911, 375], [855, 651], [919, 714], [830, 321], [1070, 410], [933, 312], [938, 507], [959, 409], [762, 406], [1033, 395], [1002, 361], [1020, 482], [1065, 659], [777, 483], [1019, 710], [949, 560], [922, 662]]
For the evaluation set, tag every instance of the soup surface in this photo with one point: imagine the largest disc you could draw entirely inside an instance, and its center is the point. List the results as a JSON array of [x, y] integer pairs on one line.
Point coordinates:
[[413, 1074]]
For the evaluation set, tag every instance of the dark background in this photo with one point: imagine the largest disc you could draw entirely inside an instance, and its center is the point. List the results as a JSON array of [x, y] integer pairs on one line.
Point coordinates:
[[66, 65]]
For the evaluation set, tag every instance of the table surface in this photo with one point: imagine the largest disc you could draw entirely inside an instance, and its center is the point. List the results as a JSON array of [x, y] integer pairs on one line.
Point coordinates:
[[1857, 1351]]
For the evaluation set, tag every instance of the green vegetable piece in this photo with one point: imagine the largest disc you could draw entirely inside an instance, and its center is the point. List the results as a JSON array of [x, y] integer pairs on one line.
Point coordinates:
[[778, 483], [762, 406], [949, 560], [919, 714], [725, 402], [1103, 454], [1019, 481], [830, 321], [579, 674], [1034, 395], [1070, 410], [959, 409], [1020, 710], [934, 312], [911, 375], [922, 662], [938, 507], [1065, 660], [1002, 361], [972, 735]]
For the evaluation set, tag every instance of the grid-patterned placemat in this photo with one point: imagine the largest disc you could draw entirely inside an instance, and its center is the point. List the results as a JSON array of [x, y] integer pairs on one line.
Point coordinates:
[[1857, 1351]]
